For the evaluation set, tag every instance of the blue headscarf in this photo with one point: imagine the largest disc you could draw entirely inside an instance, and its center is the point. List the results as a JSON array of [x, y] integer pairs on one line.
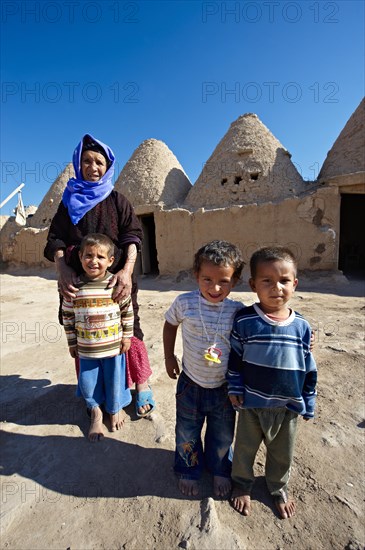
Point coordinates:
[[80, 195]]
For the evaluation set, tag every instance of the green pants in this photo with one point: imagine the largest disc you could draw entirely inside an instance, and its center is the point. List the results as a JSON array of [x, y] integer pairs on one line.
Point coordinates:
[[277, 428]]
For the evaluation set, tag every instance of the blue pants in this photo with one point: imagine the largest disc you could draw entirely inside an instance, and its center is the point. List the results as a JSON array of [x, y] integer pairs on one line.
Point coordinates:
[[194, 405], [103, 382]]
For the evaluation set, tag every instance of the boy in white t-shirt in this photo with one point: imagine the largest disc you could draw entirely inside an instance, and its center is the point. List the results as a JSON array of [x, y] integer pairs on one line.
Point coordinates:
[[206, 316]]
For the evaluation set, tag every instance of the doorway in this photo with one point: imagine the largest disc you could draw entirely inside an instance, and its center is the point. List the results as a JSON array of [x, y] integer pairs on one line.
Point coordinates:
[[352, 231], [149, 262]]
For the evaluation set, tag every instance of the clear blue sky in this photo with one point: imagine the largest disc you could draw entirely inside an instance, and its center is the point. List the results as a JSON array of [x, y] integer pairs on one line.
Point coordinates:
[[178, 71]]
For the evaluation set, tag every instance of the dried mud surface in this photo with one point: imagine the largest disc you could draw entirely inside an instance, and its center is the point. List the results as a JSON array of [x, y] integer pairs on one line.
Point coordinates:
[[60, 491]]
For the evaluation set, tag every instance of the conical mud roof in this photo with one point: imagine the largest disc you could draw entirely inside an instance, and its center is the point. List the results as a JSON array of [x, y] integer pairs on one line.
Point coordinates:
[[153, 175], [51, 200], [248, 165], [347, 155]]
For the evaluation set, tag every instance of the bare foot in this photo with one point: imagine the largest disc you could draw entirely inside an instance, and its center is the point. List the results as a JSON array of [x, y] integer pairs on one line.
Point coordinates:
[[96, 431], [285, 508], [222, 486], [241, 502], [189, 487], [140, 387], [117, 420]]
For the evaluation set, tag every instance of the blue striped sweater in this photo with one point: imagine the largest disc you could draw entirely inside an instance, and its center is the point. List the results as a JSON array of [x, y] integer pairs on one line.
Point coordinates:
[[270, 363]]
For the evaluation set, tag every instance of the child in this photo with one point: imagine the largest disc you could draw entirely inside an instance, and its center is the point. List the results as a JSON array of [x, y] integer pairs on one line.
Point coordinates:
[[206, 316], [98, 331], [271, 378]]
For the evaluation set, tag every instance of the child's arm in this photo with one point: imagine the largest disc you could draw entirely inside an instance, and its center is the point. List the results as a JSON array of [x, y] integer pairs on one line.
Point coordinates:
[[127, 321], [235, 386], [126, 318], [236, 400], [125, 345], [68, 318], [73, 351], [312, 341], [169, 338], [309, 387], [234, 373]]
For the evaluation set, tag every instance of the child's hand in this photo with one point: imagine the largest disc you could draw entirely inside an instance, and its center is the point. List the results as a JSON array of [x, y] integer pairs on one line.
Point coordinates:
[[236, 400], [312, 343], [172, 367], [125, 344], [73, 351]]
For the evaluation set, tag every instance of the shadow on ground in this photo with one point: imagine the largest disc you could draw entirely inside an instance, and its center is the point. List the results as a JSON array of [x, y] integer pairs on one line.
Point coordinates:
[[69, 464]]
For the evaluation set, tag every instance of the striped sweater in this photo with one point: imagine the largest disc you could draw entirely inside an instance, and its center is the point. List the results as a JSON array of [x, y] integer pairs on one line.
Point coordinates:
[[95, 323], [270, 363]]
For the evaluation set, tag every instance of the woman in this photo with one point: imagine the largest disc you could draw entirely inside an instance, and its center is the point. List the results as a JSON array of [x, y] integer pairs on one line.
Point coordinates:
[[90, 205]]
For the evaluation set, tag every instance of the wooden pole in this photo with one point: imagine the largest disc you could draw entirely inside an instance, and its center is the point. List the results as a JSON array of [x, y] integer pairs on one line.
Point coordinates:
[[12, 194]]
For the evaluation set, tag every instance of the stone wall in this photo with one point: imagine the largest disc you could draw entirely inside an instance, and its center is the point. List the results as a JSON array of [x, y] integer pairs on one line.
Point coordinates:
[[308, 225], [23, 246]]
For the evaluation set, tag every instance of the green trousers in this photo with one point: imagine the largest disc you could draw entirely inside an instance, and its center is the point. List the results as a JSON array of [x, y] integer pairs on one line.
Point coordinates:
[[277, 428]]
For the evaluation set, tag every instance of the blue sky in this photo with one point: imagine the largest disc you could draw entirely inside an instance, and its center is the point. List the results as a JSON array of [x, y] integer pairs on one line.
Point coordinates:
[[178, 71]]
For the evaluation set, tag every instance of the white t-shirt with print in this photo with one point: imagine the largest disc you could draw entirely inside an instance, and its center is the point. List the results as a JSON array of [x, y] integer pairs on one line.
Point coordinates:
[[199, 318]]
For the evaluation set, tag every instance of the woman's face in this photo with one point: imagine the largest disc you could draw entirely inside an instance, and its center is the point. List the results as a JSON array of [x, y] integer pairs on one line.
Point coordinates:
[[93, 166]]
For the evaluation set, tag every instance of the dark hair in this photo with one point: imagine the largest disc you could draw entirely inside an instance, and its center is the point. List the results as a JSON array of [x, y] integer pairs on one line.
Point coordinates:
[[89, 144], [271, 254], [220, 253], [97, 239]]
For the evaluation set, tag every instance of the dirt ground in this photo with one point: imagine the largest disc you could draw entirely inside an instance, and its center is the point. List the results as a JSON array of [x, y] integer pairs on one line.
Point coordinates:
[[61, 492]]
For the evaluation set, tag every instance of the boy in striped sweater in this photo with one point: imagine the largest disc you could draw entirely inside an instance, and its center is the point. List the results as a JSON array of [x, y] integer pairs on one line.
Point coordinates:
[[271, 378], [98, 331]]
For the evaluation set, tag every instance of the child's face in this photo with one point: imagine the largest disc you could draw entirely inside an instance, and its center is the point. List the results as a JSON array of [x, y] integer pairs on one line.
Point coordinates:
[[274, 284], [93, 166], [95, 261], [215, 281]]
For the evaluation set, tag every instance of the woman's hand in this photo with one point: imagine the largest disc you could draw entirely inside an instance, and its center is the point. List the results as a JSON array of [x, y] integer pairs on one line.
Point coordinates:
[[122, 283], [66, 278]]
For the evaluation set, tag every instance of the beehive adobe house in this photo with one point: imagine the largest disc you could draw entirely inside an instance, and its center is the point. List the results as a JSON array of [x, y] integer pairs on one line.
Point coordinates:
[[151, 180], [48, 207], [249, 193], [344, 172], [249, 165]]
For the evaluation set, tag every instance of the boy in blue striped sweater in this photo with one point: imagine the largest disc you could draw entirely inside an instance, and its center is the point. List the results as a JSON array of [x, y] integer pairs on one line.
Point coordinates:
[[271, 378]]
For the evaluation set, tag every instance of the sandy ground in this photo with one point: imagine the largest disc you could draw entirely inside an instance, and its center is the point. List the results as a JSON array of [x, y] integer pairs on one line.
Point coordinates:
[[60, 491]]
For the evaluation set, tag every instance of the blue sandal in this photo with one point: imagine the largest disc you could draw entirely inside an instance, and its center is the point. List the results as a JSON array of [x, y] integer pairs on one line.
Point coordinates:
[[145, 397]]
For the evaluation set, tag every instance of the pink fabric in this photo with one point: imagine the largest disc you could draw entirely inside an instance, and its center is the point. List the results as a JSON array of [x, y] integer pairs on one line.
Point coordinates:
[[138, 364]]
